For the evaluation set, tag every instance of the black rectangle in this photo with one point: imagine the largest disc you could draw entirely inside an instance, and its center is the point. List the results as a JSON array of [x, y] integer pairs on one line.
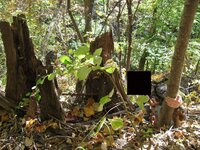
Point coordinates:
[[139, 83]]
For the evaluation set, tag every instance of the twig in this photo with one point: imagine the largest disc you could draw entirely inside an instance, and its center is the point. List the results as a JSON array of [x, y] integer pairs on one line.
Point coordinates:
[[58, 136], [80, 94], [74, 22], [107, 17]]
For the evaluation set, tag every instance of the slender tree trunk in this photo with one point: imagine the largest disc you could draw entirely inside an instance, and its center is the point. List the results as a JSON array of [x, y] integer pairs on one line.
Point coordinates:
[[131, 18], [74, 21], [187, 19], [129, 33], [152, 32], [88, 6]]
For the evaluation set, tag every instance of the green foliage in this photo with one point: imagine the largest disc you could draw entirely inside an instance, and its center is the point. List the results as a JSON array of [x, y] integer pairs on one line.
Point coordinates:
[[104, 100], [83, 72], [98, 128], [116, 123], [141, 100]]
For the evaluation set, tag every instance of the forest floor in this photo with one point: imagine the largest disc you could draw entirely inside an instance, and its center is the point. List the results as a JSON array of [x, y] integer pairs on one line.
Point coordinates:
[[96, 133]]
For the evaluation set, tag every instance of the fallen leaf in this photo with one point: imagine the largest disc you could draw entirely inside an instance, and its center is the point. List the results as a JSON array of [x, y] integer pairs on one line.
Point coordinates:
[[28, 141], [89, 111]]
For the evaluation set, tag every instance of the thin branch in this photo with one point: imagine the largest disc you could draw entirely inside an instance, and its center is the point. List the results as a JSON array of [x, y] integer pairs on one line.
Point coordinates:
[[108, 16], [74, 22]]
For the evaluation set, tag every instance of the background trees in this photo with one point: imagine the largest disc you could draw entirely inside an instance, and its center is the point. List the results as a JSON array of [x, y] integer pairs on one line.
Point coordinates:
[[76, 38], [154, 26]]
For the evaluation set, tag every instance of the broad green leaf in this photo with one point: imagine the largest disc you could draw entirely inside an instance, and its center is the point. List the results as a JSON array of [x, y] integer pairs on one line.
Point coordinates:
[[98, 52], [104, 100], [81, 56], [97, 60], [90, 61], [82, 50], [51, 76], [141, 100], [116, 123], [83, 72], [65, 59], [110, 70]]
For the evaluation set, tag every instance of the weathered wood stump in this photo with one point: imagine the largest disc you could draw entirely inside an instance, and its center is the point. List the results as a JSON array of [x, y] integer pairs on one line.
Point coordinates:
[[23, 68], [99, 82]]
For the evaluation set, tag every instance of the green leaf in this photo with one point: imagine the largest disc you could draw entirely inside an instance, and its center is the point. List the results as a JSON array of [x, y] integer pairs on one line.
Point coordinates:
[[102, 122], [83, 72], [98, 52], [111, 93], [82, 50], [70, 51], [116, 123], [100, 125], [104, 100], [40, 80], [99, 108], [65, 59], [110, 70], [51, 76], [97, 60], [37, 96], [81, 56], [132, 99], [141, 100]]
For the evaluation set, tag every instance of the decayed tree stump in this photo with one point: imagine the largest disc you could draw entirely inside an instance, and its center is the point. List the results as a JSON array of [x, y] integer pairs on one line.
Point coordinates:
[[23, 68], [99, 82]]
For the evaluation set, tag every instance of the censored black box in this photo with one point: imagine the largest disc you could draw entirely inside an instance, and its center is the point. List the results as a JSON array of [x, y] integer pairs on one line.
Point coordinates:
[[139, 83]]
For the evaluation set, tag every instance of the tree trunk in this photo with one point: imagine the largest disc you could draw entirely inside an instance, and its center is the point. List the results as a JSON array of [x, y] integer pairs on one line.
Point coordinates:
[[187, 19], [74, 21], [88, 6], [143, 60], [129, 33], [20, 58], [23, 68], [100, 83]]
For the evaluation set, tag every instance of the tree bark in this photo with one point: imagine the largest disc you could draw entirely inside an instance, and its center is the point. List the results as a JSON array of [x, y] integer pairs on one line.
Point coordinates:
[[88, 6], [99, 82], [74, 22], [129, 33], [187, 19], [23, 68], [131, 18]]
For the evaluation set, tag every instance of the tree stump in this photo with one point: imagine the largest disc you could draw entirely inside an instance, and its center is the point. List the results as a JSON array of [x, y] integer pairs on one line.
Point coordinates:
[[99, 82], [23, 68]]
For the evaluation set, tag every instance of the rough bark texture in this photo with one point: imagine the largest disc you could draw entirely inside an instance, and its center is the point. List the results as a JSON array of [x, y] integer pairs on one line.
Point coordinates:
[[129, 33], [20, 58], [101, 83], [98, 82], [23, 67], [88, 6], [178, 58], [49, 105]]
